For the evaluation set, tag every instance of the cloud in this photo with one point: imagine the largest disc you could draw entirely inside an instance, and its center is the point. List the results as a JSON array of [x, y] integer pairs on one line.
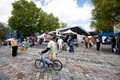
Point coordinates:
[[38, 4], [5, 10], [70, 12], [66, 10]]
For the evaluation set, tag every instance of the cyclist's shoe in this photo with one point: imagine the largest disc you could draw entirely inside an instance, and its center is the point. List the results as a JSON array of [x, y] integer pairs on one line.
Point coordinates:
[[49, 64]]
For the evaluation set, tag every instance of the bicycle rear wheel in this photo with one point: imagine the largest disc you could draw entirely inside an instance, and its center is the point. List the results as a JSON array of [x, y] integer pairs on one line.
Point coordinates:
[[57, 65], [39, 64]]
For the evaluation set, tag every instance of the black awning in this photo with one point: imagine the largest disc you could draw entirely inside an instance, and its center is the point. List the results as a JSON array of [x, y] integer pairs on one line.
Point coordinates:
[[92, 33], [79, 30]]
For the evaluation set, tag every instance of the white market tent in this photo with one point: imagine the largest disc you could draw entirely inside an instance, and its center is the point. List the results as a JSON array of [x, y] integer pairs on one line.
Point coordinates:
[[69, 32], [41, 36], [8, 39]]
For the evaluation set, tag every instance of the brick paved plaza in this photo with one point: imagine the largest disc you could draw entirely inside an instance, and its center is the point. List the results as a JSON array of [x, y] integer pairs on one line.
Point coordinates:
[[84, 64]]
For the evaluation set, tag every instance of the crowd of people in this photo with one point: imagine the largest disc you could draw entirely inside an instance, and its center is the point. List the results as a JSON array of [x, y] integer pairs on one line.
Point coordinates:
[[66, 42], [114, 41]]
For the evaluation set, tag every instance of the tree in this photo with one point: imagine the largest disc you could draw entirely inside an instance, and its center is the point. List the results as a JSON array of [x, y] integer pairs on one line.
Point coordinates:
[[3, 30], [1, 25], [2, 33], [63, 24], [105, 15], [24, 17], [47, 22], [28, 19], [42, 22], [52, 22]]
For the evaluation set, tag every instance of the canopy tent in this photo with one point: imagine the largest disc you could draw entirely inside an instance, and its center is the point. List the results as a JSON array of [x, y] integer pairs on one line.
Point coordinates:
[[77, 29], [117, 34], [92, 33], [8, 39], [109, 34], [106, 34], [69, 32], [41, 36]]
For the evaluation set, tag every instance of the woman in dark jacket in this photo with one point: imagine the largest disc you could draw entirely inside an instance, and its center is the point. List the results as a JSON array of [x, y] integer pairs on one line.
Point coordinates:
[[70, 44], [98, 43], [113, 40]]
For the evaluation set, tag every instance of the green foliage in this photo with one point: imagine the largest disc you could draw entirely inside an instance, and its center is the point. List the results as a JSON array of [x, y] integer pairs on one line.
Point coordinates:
[[105, 15], [48, 22], [63, 24], [24, 16], [2, 30], [1, 25], [52, 22], [28, 19]]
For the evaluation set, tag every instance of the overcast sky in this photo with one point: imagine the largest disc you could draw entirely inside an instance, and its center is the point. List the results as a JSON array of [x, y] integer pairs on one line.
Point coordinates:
[[73, 12]]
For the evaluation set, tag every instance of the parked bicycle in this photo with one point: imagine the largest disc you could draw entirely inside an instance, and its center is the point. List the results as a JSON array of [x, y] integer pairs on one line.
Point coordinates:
[[56, 64]]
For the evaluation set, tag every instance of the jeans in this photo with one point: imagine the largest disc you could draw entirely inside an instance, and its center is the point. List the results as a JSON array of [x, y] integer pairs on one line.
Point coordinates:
[[71, 49], [81, 44], [45, 57]]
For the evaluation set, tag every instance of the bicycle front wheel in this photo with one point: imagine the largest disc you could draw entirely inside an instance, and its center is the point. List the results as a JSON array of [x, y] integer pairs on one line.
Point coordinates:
[[39, 64], [57, 65]]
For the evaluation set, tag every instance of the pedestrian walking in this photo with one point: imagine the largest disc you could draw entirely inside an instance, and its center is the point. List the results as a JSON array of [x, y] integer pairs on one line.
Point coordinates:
[[60, 44], [113, 40], [71, 44], [14, 44], [98, 43], [90, 43], [86, 41]]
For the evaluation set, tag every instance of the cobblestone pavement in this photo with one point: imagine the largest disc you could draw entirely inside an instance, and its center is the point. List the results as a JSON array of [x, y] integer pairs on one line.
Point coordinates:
[[84, 64]]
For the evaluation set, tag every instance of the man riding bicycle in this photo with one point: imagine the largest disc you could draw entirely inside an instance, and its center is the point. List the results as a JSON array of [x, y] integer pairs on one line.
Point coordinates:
[[49, 53]]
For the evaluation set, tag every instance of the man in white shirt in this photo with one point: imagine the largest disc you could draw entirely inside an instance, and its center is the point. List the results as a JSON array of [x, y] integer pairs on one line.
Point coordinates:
[[60, 44]]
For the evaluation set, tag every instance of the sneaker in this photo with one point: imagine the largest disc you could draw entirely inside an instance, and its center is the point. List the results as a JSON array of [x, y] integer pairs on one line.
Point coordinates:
[[49, 64]]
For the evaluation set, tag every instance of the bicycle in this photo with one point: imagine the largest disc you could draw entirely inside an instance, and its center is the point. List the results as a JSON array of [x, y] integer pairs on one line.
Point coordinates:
[[56, 64]]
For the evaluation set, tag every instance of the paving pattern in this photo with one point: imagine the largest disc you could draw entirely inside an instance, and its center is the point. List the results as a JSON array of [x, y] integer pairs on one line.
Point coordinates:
[[84, 64]]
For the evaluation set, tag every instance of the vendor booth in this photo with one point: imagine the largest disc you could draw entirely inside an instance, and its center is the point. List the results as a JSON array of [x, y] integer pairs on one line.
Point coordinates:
[[70, 33], [110, 34], [106, 37], [117, 34]]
